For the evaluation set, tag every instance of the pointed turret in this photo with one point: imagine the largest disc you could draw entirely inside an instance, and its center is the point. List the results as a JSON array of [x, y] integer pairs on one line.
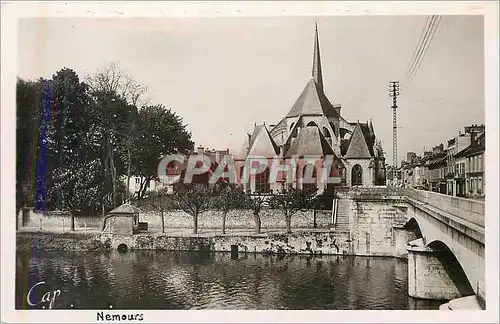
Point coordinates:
[[317, 74]]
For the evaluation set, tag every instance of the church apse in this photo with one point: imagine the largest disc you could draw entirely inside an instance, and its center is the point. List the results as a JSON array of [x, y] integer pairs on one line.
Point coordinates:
[[315, 126]]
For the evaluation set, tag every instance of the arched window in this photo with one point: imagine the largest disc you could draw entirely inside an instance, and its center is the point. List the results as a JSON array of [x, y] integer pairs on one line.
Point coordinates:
[[242, 175], [262, 184], [326, 132], [333, 129], [291, 126], [309, 177], [357, 175], [311, 123]]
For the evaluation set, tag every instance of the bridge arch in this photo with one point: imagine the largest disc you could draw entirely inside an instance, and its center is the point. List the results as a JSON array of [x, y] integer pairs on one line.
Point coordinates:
[[413, 226], [459, 252], [452, 267]]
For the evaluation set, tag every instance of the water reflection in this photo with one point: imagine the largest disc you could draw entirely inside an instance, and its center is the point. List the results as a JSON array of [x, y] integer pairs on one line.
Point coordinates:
[[178, 280]]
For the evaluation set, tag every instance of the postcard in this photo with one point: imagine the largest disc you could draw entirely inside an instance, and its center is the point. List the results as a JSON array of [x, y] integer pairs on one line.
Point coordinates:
[[249, 162]]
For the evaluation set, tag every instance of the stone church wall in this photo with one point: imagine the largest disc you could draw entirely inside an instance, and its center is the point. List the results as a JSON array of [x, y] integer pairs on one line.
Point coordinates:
[[367, 172]]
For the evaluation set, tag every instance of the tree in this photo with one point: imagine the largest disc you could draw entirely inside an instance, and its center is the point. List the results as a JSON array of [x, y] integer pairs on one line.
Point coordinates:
[[291, 201], [161, 202], [79, 186], [255, 203], [228, 197], [113, 79], [159, 132], [74, 167], [112, 86], [28, 98], [194, 200], [69, 108], [111, 120]]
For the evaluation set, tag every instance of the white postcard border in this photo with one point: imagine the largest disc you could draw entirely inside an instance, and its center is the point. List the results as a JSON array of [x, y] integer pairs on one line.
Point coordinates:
[[13, 11]]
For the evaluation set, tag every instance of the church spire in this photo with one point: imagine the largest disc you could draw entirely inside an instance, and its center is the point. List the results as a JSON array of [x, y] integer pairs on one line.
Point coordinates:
[[317, 74]]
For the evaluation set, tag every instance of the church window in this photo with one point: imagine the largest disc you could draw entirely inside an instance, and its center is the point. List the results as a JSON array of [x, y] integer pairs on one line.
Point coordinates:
[[357, 175], [262, 184], [309, 177], [345, 133], [242, 174], [333, 129], [291, 126], [326, 132], [311, 123]]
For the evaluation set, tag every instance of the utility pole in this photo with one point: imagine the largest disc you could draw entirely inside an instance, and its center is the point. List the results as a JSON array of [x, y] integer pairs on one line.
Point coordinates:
[[394, 93]]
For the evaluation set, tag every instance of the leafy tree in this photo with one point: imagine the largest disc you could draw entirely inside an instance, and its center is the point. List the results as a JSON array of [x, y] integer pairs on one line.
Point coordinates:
[[255, 203], [291, 201], [28, 98], [113, 89], [228, 197], [159, 132], [194, 200], [75, 182], [66, 127], [69, 108], [79, 186], [111, 119]]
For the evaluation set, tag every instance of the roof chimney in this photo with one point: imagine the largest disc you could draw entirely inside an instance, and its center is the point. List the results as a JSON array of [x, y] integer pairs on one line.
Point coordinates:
[[473, 138]]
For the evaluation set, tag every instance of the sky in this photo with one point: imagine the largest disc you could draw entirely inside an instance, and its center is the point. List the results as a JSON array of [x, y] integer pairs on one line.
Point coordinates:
[[222, 75]]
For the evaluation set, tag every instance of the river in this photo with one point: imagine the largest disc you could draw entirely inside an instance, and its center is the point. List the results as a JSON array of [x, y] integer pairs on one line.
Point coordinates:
[[190, 280]]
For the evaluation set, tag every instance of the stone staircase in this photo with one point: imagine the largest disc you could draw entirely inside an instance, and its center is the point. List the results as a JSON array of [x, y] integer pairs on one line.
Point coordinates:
[[342, 224]]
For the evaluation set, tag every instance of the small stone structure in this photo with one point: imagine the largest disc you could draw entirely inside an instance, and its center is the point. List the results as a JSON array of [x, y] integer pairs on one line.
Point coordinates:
[[121, 220]]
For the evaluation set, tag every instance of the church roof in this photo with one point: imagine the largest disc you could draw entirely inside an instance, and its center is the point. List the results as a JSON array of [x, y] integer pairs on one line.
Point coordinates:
[[261, 142], [312, 101], [309, 141], [361, 143]]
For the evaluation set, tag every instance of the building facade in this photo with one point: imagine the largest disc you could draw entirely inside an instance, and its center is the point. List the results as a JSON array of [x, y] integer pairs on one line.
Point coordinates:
[[457, 162], [472, 167], [315, 127]]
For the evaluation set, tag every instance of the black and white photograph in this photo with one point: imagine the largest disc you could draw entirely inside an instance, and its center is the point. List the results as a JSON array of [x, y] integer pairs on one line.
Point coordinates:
[[304, 156]]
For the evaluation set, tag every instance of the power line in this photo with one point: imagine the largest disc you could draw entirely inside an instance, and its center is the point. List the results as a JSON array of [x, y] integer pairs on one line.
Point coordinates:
[[417, 46], [424, 43], [436, 25]]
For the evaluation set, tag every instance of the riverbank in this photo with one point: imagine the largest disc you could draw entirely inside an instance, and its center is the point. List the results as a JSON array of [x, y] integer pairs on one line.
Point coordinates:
[[319, 242], [31, 241]]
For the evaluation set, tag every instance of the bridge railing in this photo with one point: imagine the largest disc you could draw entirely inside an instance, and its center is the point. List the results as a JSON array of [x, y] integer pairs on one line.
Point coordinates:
[[468, 209]]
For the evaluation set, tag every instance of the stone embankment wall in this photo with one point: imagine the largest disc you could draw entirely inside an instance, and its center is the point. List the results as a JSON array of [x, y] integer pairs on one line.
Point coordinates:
[[316, 243], [32, 242], [237, 219], [376, 227], [60, 221]]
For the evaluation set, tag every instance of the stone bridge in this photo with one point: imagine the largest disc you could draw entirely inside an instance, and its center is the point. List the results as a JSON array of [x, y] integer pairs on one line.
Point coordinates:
[[446, 260]]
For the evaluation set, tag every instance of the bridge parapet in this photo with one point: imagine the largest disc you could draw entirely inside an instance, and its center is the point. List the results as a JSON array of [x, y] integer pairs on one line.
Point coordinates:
[[468, 209], [378, 192]]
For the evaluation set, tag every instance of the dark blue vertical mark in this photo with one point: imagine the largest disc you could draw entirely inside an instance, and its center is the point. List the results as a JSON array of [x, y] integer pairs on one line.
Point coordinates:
[[43, 141]]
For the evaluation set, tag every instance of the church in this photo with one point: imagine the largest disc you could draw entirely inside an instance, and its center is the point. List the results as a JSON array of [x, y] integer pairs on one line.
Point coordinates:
[[315, 127]]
